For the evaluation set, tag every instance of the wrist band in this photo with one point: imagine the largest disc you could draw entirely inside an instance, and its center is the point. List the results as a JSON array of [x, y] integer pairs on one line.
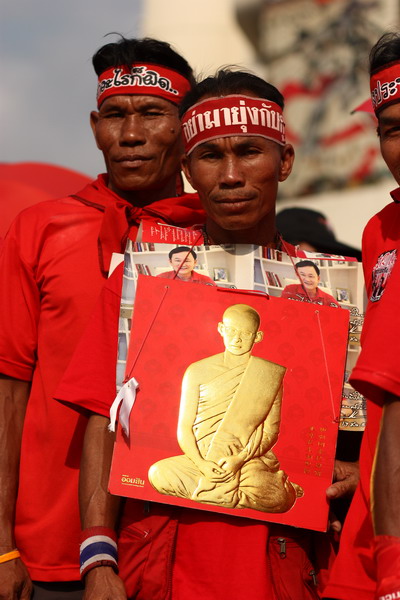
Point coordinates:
[[98, 548], [9, 556]]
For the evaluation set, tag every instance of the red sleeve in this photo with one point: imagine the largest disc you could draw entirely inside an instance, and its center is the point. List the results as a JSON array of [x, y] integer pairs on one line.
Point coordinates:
[[377, 370], [19, 301], [90, 379]]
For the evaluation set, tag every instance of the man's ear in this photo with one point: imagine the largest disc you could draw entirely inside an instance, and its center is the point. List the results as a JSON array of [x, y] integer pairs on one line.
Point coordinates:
[[221, 328], [287, 159], [186, 169], [259, 337], [94, 119]]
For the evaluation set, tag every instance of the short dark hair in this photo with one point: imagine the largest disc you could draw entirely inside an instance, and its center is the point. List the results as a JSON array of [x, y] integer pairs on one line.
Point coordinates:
[[227, 82], [127, 51], [307, 263], [386, 50], [182, 249]]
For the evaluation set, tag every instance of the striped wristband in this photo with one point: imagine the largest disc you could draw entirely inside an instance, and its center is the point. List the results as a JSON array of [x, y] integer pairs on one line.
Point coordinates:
[[98, 548]]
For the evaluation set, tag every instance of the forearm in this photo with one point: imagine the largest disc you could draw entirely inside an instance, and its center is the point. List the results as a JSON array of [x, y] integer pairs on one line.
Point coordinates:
[[97, 505], [188, 445], [386, 472], [13, 401]]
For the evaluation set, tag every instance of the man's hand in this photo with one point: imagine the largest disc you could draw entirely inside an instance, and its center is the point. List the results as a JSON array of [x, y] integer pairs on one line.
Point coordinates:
[[345, 479], [15, 583], [102, 583]]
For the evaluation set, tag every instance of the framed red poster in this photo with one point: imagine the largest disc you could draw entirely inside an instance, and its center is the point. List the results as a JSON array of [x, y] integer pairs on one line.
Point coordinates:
[[237, 405]]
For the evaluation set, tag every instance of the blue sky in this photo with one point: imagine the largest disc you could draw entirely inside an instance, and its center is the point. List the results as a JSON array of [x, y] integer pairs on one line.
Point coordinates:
[[48, 83]]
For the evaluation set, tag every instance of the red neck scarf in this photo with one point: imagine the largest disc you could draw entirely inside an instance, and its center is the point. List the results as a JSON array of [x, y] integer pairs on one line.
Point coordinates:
[[121, 218]]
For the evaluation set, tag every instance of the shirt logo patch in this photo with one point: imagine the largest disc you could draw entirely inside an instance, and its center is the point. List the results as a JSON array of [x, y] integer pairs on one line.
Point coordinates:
[[381, 273]]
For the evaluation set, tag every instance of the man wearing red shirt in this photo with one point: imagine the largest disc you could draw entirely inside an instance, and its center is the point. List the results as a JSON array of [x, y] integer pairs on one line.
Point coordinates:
[[308, 290], [165, 552], [368, 564], [54, 261]]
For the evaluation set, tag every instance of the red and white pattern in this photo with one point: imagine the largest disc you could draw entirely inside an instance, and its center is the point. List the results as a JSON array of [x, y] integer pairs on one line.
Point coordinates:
[[143, 79], [232, 115]]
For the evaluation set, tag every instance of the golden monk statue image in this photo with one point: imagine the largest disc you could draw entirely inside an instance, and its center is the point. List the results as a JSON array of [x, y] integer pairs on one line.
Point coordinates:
[[229, 421]]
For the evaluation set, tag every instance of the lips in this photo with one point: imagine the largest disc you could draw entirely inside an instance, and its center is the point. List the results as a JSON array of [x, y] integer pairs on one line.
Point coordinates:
[[234, 200], [233, 205], [132, 160]]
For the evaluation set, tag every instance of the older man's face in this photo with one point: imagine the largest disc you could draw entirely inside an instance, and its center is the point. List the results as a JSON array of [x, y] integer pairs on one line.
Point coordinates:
[[141, 143]]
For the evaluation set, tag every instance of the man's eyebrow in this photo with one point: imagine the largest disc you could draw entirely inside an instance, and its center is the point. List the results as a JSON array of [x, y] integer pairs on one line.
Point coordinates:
[[209, 146], [384, 120], [151, 103], [112, 106]]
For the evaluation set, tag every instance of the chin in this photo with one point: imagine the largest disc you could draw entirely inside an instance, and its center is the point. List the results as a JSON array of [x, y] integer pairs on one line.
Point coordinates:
[[230, 225]]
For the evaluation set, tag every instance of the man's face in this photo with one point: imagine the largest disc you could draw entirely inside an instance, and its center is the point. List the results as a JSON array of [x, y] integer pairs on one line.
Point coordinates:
[[389, 133], [141, 143], [309, 278], [183, 262], [237, 178], [239, 332]]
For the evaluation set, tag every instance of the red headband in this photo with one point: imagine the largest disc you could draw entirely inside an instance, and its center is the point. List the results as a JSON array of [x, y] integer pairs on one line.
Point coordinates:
[[385, 86], [227, 116], [143, 79]]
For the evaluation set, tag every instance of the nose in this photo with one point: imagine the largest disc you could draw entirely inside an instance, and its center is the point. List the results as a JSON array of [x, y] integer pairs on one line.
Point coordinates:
[[132, 131], [232, 175]]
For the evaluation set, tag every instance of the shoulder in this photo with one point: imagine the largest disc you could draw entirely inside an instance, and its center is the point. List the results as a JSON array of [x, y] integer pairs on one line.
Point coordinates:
[[45, 212], [385, 224], [267, 367], [201, 365], [381, 234]]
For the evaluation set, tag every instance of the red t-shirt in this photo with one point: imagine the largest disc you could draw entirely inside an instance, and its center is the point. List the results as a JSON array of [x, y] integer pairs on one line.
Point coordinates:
[[50, 278], [296, 291], [377, 370], [194, 278]]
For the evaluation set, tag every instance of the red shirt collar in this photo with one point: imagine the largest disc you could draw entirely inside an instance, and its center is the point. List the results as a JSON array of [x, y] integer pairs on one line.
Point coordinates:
[[396, 195]]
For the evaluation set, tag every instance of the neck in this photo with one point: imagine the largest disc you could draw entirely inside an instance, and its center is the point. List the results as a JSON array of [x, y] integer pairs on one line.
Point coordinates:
[[144, 197], [263, 234], [231, 360]]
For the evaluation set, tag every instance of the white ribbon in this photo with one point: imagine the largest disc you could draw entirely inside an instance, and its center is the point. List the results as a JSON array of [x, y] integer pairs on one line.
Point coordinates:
[[126, 398]]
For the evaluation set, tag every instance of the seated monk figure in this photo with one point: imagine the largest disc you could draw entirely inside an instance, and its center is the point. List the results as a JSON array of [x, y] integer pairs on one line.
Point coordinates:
[[229, 421]]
